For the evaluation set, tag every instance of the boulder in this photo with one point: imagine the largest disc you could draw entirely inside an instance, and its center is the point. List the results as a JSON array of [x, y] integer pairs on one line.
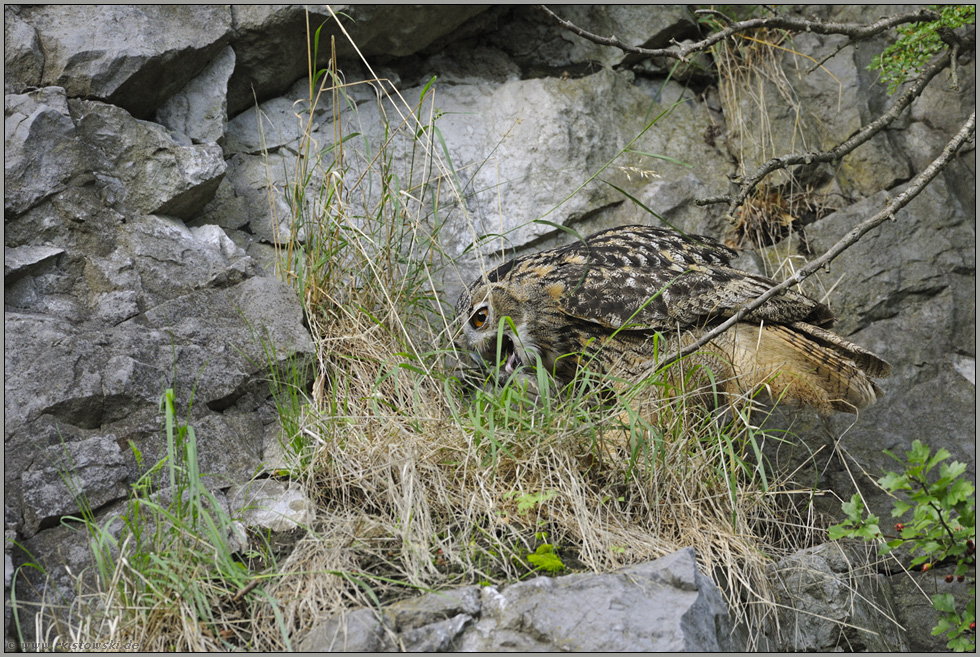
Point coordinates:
[[42, 150], [131, 56], [199, 108], [665, 605], [155, 173], [272, 505], [23, 59], [832, 598]]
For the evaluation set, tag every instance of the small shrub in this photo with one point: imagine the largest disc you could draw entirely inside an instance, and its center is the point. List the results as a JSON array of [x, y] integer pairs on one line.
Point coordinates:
[[942, 529], [918, 43]]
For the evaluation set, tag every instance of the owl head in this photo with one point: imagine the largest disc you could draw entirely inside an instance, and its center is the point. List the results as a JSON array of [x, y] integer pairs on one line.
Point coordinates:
[[493, 319], [515, 311]]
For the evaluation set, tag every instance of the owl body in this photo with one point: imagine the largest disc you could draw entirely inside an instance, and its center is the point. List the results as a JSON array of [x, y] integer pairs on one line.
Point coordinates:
[[627, 299]]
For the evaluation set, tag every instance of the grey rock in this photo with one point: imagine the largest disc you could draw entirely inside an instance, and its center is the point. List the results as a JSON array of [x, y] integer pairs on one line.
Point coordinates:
[[41, 152], [833, 599], [549, 136], [966, 366], [271, 504], [274, 124], [70, 383], [169, 260], [23, 59], [440, 636], [272, 48], [196, 312], [133, 56], [67, 479], [532, 40], [230, 208], [199, 110], [23, 259], [664, 606], [433, 608], [157, 174], [255, 197], [357, 631], [660, 606]]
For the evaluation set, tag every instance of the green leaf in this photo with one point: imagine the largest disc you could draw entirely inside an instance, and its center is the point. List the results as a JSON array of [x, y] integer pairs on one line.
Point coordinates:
[[900, 508], [941, 455], [952, 470], [853, 508], [944, 602], [960, 491], [870, 531], [894, 481]]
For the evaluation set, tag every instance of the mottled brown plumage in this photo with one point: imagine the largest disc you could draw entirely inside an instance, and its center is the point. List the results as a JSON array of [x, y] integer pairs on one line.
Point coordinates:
[[628, 298]]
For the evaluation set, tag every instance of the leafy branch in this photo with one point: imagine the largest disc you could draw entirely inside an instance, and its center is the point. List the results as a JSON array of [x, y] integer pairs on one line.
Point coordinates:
[[942, 529], [919, 42]]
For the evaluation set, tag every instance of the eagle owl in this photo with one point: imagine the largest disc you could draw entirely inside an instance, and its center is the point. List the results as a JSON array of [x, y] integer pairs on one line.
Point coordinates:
[[629, 298]]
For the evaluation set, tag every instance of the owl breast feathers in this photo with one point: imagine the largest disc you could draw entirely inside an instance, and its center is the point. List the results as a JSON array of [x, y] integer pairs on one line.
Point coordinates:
[[629, 298]]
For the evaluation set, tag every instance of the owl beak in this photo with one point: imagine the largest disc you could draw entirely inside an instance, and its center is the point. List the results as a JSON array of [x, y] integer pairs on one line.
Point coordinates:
[[512, 362], [509, 353]]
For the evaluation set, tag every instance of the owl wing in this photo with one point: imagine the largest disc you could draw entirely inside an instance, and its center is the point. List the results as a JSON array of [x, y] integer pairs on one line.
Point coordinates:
[[641, 278]]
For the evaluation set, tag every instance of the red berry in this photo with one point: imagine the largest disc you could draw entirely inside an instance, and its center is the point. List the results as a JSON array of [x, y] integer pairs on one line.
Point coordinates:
[[899, 526], [926, 566], [960, 578], [949, 579]]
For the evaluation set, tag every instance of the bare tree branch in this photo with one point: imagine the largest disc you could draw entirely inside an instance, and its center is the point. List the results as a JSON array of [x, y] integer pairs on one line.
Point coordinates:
[[838, 151], [892, 206], [855, 31]]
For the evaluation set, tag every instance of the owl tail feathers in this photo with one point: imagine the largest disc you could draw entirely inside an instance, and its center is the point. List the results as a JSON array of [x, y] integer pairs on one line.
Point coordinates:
[[803, 364]]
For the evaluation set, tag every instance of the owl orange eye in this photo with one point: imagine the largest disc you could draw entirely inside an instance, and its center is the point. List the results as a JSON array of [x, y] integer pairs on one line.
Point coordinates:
[[479, 318]]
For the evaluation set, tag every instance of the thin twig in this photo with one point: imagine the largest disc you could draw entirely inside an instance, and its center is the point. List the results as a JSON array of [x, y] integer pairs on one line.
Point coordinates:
[[892, 206], [855, 31], [246, 590]]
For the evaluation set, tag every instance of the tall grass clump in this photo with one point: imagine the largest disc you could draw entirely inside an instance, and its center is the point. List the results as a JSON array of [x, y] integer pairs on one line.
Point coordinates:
[[167, 571], [425, 480]]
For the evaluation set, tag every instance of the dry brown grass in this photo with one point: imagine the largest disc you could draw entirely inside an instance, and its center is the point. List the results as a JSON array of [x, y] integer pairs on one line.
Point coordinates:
[[421, 483]]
